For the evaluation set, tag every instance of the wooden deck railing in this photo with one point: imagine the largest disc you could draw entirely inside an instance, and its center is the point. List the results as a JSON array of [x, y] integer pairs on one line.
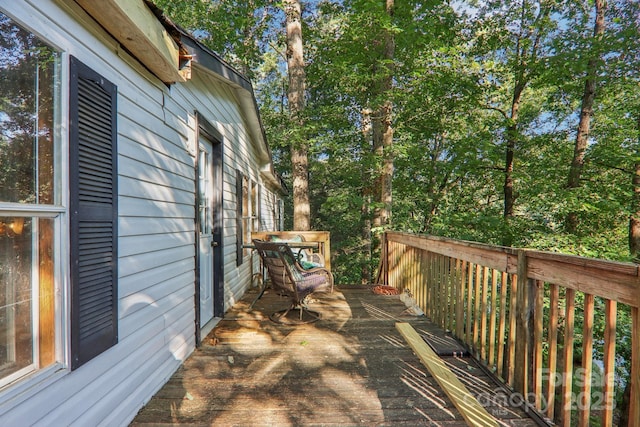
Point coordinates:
[[520, 312], [321, 237]]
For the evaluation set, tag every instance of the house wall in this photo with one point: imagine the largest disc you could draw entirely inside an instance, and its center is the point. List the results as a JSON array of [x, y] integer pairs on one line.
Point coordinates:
[[156, 145], [240, 153]]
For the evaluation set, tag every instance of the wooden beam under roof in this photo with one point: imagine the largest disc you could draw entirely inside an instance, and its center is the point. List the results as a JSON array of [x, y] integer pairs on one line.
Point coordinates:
[[136, 27]]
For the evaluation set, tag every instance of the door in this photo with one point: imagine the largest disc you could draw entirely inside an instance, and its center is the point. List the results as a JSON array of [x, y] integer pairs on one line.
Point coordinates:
[[206, 242], [209, 225]]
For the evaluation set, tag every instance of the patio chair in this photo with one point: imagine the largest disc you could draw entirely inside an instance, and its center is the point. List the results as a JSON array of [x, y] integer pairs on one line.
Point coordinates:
[[290, 279]]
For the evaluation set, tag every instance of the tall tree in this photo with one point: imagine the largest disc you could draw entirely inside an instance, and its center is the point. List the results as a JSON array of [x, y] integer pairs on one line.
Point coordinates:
[[367, 189], [634, 218], [586, 111], [382, 123], [527, 46], [296, 101], [520, 30]]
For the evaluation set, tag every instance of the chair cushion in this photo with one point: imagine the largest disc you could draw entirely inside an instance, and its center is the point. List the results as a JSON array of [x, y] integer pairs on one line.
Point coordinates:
[[311, 282], [309, 264]]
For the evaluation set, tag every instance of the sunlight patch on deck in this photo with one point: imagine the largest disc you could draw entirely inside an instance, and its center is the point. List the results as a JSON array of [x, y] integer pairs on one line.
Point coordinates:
[[377, 312]]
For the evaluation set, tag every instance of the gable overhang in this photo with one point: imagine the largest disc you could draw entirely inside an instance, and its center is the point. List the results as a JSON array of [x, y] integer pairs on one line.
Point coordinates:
[[201, 56], [169, 52], [137, 28]]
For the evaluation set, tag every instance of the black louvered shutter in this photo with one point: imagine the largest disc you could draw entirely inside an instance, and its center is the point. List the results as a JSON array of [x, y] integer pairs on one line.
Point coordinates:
[[93, 213], [239, 222]]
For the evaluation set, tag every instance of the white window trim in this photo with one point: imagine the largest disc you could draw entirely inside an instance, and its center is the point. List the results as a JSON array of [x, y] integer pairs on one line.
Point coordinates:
[[23, 389]]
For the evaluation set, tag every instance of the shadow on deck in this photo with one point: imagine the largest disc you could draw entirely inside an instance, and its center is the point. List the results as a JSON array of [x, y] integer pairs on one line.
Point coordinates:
[[351, 368]]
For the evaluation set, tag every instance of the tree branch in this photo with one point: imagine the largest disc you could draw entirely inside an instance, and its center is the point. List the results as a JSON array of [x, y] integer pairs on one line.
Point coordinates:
[[504, 114]]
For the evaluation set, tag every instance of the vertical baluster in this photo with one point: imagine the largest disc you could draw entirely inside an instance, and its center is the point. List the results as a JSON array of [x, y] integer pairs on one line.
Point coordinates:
[[567, 372], [476, 311], [460, 299], [492, 319], [440, 295], [433, 287], [584, 407], [502, 324], [392, 264], [417, 278], [408, 269], [436, 288], [523, 328], [512, 328], [443, 292], [451, 292], [538, 325], [554, 299], [469, 310], [430, 278], [416, 274], [483, 318], [451, 295], [425, 283], [402, 253], [454, 277], [403, 267], [394, 258], [422, 289], [425, 290], [634, 400], [610, 315]]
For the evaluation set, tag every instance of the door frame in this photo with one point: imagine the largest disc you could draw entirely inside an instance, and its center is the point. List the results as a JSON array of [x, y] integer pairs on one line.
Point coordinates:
[[205, 130]]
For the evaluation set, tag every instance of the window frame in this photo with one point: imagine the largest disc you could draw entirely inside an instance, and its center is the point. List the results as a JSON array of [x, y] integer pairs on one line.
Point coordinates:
[[248, 213], [22, 388]]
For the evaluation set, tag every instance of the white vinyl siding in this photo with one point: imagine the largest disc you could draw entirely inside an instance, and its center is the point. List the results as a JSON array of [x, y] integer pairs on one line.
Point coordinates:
[[156, 225]]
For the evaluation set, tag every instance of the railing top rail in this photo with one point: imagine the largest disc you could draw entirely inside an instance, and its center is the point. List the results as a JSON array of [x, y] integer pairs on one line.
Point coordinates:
[[612, 280], [322, 238]]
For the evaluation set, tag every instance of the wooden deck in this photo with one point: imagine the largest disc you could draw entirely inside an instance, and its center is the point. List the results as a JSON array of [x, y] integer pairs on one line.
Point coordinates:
[[351, 368]]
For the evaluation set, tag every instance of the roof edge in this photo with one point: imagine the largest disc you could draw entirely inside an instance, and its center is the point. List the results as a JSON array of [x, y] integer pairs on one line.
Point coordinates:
[[209, 59]]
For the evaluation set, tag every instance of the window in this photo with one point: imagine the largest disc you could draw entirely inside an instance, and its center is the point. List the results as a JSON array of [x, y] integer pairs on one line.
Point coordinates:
[[33, 333], [30, 201], [255, 207], [246, 207], [247, 214], [280, 217], [276, 211]]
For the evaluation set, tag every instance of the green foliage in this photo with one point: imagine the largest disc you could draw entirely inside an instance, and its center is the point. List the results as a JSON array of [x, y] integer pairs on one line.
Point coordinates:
[[454, 74]]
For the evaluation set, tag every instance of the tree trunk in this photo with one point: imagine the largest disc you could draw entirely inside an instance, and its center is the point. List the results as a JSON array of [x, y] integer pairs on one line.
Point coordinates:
[[634, 218], [512, 136], [365, 210], [247, 41], [383, 133], [586, 111], [295, 95]]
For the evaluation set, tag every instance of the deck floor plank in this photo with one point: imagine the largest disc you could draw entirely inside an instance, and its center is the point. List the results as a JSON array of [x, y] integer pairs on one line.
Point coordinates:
[[351, 368]]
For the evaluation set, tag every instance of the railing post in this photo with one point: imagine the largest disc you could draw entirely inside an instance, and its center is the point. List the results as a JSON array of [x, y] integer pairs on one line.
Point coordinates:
[[523, 316], [460, 290], [385, 259], [634, 401]]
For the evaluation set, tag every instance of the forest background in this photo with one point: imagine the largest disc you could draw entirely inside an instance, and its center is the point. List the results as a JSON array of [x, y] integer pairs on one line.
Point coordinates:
[[486, 102], [508, 122]]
